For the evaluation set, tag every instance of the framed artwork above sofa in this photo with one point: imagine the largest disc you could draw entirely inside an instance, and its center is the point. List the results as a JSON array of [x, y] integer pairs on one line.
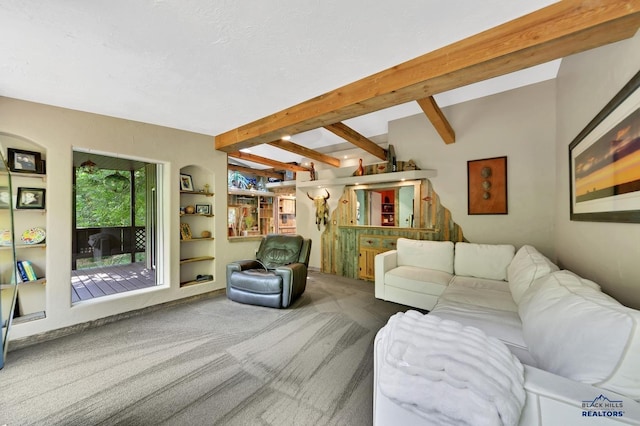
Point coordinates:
[[604, 162]]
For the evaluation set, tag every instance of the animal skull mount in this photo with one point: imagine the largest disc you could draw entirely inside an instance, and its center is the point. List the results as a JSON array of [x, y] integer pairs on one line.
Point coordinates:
[[322, 208]]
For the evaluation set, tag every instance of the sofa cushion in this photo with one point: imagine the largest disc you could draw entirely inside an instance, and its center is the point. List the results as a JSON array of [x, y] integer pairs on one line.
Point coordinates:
[[599, 338], [527, 265], [483, 260], [504, 325], [420, 280], [479, 291], [436, 255]]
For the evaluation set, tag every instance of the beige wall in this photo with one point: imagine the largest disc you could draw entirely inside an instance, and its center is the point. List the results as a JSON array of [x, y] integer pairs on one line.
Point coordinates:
[[519, 124], [607, 253], [59, 131]]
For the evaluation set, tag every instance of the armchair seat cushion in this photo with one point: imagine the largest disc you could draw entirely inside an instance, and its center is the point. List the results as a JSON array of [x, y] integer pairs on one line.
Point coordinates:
[[256, 281]]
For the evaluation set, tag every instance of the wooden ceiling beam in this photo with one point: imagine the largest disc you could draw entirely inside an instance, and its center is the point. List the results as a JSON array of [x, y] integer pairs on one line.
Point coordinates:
[[269, 173], [350, 135], [437, 118], [278, 165], [553, 32], [306, 152]]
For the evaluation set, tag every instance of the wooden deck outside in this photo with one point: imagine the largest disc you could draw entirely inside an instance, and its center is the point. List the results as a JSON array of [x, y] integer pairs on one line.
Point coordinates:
[[97, 282]]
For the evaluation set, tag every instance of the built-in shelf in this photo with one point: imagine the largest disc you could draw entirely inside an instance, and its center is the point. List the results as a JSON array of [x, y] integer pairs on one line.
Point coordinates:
[[42, 281], [15, 174], [208, 194], [196, 214], [24, 246], [283, 184], [194, 282], [376, 178], [190, 240], [251, 192], [29, 317], [196, 259]]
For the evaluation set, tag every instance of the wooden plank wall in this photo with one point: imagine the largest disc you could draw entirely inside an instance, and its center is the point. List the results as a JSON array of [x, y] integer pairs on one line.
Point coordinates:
[[339, 244]]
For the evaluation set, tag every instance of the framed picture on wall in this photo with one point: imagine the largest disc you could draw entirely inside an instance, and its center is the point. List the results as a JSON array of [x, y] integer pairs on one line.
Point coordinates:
[[186, 182], [487, 186], [204, 209], [604, 162], [22, 161], [30, 198]]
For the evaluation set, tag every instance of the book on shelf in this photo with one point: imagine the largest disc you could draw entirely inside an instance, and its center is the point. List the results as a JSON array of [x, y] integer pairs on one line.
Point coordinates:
[[25, 271]]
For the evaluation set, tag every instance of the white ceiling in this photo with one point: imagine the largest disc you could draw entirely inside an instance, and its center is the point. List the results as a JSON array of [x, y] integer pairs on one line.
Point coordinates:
[[212, 65]]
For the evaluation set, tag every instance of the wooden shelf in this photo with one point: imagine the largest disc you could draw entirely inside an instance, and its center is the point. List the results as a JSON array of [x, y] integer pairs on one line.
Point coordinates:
[[42, 281], [194, 282], [30, 317], [196, 259], [24, 246], [190, 240], [377, 178], [16, 174], [283, 184], [250, 192], [196, 214], [208, 194]]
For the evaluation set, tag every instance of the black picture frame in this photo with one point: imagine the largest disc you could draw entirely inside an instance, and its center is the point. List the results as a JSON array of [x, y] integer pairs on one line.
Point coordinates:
[[604, 162], [31, 198], [186, 182], [204, 209], [21, 161]]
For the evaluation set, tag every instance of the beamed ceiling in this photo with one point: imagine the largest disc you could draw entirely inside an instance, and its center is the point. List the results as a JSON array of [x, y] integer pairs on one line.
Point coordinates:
[[556, 31]]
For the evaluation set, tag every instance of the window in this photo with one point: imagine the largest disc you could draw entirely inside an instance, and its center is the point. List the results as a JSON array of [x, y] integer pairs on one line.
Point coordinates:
[[115, 224]]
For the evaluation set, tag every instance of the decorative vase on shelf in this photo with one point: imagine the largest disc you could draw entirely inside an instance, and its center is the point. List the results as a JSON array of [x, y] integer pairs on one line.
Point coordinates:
[[360, 170]]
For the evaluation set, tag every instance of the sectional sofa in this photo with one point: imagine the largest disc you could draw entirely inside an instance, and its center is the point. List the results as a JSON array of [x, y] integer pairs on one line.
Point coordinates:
[[580, 348]]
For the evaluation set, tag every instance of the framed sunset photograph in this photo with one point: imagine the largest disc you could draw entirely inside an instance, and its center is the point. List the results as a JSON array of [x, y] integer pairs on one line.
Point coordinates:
[[604, 162]]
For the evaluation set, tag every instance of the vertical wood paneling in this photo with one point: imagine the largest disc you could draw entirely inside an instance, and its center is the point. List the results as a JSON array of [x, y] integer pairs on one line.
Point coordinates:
[[340, 240]]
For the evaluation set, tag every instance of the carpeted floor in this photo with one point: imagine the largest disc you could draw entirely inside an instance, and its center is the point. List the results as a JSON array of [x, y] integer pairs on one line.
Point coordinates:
[[212, 361]]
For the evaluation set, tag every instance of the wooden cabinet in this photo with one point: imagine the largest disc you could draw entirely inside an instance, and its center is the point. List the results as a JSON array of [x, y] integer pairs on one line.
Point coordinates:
[[250, 213], [388, 214], [286, 215], [368, 247], [265, 215], [196, 231]]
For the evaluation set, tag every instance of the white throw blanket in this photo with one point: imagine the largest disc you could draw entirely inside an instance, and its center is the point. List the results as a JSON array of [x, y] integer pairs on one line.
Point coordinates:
[[449, 374]]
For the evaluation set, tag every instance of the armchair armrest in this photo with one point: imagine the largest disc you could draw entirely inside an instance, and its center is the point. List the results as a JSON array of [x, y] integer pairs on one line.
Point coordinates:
[[294, 281], [241, 265], [383, 262]]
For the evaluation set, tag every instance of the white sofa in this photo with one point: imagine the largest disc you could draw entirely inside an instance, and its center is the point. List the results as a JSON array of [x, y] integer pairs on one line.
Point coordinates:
[[577, 344]]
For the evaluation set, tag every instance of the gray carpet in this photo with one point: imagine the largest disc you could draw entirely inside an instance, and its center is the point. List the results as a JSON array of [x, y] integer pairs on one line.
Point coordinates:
[[211, 361]]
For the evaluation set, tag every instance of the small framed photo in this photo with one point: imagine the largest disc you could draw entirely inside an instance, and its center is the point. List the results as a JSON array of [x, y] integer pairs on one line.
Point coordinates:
[[30, 198], [5, 197], [24, 161], [204, 209], [186, 182], [185, 231]]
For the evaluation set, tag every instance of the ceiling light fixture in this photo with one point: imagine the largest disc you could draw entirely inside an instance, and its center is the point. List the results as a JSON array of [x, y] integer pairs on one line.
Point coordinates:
[[88, 167], [116, 182], [286, 138]]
